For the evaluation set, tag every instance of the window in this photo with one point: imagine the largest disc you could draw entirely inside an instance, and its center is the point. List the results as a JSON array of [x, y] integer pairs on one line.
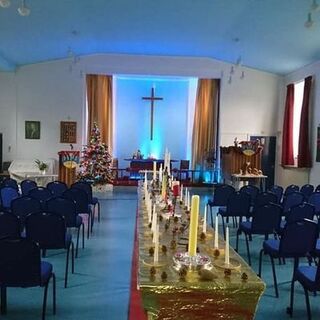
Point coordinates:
[[298, 98]]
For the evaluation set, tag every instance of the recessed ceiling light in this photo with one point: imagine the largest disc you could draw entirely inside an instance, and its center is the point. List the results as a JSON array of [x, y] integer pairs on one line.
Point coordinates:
[[5, 3]]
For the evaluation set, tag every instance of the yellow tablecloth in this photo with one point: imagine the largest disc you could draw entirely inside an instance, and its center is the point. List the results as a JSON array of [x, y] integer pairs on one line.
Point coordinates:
[[225, 297]]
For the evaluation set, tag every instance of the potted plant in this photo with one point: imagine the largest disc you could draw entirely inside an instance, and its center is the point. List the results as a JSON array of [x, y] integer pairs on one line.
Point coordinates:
[[42, 166]]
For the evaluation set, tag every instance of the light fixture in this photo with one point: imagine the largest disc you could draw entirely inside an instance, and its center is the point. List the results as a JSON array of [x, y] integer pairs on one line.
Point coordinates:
[[23, 9], [5, 3], [309, 22], [315, 6]]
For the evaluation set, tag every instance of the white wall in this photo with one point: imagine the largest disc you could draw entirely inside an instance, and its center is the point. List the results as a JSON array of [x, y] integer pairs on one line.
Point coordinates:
[[302, 176], [50, 93]]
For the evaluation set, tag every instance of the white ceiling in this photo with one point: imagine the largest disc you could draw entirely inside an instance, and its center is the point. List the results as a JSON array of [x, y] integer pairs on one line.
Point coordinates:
[[268, 34]]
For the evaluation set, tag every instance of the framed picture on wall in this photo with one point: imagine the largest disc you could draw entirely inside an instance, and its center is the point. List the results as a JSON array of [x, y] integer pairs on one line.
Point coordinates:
[[32, 129], [68, 132]]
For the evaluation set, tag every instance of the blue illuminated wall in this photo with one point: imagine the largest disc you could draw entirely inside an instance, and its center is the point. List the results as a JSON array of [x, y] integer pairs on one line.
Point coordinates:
[[132, 117]]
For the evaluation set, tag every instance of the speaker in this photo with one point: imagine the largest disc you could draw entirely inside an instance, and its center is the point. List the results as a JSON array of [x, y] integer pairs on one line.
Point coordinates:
[[0, 152]]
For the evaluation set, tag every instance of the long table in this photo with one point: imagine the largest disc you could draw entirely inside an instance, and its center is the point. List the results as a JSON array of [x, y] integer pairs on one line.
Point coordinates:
[[232, 296]]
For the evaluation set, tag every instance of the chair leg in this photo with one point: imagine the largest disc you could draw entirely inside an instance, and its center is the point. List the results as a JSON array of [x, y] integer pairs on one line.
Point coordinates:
[[72, 257], [237, 240], [99, 211], [77, 243], [3, 300], [89, 224], [260, 262], [248, 250], [290, 309], [223, 227], [274, 277], [82, 235], [306, 293], [44, 304], [67, 267], [92, 213]]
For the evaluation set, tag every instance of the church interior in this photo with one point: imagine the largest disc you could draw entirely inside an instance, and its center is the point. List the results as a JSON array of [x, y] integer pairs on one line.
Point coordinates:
[[176, 101]]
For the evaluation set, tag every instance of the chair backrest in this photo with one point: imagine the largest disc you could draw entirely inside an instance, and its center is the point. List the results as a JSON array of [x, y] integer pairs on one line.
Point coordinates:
[[26, 186], [314, 199], [184, 164], [19, 263], [264, 198], [238, 204], [9, 225], [25, 205], [65, 207], [291, 188], [57, 188], [8, 182], [317, 189], [292, 199], [85, 187], [278, 190], [80, 197], [298, 239], [7, 195], [266, 218], [307, 190], [300, 212], [42, 194], [47, 229], [222, 193], [251, 190]]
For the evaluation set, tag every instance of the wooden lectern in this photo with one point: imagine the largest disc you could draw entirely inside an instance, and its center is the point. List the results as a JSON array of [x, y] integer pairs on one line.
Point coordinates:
[[68, 161]]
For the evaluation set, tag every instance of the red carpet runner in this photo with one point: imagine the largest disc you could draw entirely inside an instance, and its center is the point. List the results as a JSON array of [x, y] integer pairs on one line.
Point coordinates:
[[136, 312]]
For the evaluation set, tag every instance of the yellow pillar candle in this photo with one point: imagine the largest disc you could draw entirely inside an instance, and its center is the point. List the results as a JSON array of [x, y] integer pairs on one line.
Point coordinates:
[[193, 228]]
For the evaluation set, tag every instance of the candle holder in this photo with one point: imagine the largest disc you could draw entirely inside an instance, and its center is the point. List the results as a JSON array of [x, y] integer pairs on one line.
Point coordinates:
[[233, 265], [183, 259]]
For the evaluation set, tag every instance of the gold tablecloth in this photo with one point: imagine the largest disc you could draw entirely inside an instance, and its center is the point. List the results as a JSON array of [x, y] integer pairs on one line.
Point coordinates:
[[225, 297]]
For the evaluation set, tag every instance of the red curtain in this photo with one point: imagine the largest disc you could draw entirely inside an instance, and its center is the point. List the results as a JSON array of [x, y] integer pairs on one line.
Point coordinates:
[[304, 156], [287, 134]]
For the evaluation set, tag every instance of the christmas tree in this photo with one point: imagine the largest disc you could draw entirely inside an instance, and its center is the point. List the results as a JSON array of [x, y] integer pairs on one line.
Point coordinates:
[[95, 164]]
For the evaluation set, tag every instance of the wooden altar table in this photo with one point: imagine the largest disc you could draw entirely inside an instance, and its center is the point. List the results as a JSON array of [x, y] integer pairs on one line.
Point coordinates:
[[231, 297], [258, 180]]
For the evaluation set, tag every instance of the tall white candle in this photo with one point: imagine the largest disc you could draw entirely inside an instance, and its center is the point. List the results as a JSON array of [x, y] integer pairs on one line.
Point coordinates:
[[169, 162], [216, 242], [204, 227], [154, 220], [154, 170], [160, 173], [226, 250], [188, 205], [181, 192], [156, 246]]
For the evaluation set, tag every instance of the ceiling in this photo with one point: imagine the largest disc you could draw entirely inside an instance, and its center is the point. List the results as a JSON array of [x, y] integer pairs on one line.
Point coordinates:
[[268, 34]]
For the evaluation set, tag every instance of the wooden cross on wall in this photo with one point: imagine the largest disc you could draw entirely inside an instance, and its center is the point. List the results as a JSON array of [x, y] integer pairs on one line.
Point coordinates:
[[152, 99]]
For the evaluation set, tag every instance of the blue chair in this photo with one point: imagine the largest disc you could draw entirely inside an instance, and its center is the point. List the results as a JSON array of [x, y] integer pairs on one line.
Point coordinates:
[[307, 190], [80, 197], [220, 197], [27, 185], [298, 240], [67, 208], [253, 191], [21, 266], [264, 198], [7, 195], [317, 189], [278, 190], [9, 225], [57, 188], [23, 206], [291, 188], [309, 278], [94, 201], [42, 194], [314, 199], [8, 182], [50, 232], [291, 200], [265, 221], [238, 206]]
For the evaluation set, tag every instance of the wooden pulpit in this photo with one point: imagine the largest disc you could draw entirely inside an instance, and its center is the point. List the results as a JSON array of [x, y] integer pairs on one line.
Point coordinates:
[[68, 161]]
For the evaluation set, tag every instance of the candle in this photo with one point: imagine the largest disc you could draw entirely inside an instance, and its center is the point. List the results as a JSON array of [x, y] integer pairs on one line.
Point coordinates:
[[216, 244], [154, 220], [160, 173], [226, 250], [154, 170], [204, 227], [175, 190], [188, 197], [149, 211], [168, 164], [193, 228], [156, 246], [181, 193], [164, 187]]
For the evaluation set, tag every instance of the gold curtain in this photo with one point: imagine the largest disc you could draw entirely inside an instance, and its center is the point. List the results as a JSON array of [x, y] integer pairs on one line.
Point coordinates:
[[99, 98], [204, 135]]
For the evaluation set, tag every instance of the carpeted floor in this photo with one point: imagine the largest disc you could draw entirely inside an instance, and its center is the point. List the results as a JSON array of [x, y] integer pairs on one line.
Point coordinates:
[[100, 288]]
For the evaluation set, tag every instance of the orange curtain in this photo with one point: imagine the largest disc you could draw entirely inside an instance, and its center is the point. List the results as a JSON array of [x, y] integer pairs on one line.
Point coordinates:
[[204, 135], [99, 101]]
